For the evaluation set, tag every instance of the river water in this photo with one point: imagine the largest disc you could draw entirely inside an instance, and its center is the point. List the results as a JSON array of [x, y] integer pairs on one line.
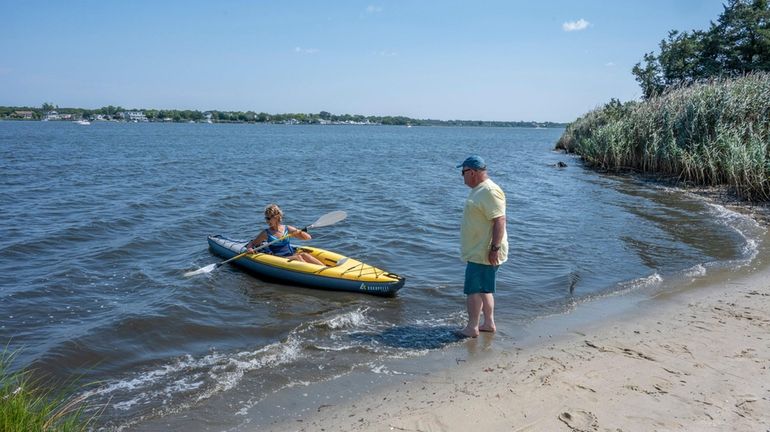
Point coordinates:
[[101, 222]]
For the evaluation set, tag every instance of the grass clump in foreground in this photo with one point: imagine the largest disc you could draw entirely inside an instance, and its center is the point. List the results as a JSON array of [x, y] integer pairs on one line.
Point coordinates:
[[26, 407], [709, 134]]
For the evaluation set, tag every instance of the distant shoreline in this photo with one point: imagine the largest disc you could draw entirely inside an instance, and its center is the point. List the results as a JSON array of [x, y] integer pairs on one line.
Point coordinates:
[[52, 113], [290, 124]]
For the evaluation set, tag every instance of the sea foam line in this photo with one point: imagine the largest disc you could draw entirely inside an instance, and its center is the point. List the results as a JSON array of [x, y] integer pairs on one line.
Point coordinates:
[[744, 226], [219, 372]]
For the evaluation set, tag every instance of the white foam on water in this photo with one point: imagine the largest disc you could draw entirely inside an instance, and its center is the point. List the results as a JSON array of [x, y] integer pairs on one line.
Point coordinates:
[[354, 319], [746, 227], [650, 281], [627, 287], [383, 370], [334, 348], [202, 377], [229, 373], [696, 271], [453, 319]]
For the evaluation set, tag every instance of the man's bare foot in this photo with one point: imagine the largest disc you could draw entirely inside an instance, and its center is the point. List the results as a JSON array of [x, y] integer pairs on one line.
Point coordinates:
[[468, 332], [486, 328]]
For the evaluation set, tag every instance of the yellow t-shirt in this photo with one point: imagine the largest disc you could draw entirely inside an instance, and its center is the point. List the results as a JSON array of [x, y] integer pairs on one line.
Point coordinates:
[[485, 202]]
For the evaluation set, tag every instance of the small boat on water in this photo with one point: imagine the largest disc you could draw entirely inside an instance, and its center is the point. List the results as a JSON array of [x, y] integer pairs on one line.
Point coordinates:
[[82, 122], [340, 273]]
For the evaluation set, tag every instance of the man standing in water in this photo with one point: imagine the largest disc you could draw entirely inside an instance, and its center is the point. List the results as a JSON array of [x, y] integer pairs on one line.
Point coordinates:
[[483, 244]]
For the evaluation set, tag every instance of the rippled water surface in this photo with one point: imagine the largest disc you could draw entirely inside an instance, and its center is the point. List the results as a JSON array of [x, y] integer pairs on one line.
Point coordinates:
[[101, 222]]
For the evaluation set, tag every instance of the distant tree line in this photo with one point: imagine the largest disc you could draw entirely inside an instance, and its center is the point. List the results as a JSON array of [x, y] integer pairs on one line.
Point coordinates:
[[737, 44], [157, 115]]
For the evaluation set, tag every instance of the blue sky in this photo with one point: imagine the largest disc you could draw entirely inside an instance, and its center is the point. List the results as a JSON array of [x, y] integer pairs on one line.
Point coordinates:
[[488, 60]]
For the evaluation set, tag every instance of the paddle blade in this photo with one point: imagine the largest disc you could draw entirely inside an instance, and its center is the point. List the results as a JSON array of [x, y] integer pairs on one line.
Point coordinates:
[[208, 269], [329, 219]]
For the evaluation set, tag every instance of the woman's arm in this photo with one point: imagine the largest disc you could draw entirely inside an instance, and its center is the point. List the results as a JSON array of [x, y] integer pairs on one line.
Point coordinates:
[[298, 233], [258, 240]]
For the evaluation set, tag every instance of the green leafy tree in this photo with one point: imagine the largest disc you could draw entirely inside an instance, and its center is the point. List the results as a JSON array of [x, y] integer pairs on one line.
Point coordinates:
[[738, 43], [744, 28]]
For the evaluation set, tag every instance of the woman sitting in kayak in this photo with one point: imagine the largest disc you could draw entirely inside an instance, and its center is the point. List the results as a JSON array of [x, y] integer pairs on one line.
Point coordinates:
[[275, 231]]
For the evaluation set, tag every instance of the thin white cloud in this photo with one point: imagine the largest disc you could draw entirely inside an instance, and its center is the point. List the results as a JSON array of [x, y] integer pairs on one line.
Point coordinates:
[[578, 25], [610, 64], [301, 50], [373, 9], [387, 53]]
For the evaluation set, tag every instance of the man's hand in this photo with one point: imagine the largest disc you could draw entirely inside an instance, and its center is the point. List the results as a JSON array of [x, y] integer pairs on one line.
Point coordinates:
[[494, 257]]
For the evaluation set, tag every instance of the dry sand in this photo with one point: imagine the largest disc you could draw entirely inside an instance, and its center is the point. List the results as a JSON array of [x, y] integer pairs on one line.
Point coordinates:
[[696, 363]]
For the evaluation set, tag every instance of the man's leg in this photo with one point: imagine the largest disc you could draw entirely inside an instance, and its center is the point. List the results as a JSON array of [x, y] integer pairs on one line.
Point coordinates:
[[488, 307], [474, 303]]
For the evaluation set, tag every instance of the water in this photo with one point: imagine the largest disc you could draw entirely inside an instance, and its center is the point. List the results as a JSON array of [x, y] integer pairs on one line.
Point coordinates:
[[100, 224]]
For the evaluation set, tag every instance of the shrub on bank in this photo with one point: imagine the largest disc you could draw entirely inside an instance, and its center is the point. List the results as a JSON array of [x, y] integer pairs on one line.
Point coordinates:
[[713, 133], [26, 407]]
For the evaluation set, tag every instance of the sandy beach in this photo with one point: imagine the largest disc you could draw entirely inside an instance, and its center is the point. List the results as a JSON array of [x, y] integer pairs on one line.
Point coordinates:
[[695, 361]]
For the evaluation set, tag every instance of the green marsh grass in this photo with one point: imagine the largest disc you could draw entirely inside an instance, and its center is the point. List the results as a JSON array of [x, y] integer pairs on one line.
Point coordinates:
[[26, 406], [708, 134]]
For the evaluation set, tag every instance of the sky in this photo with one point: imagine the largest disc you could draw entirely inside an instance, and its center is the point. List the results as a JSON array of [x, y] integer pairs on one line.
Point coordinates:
[[510, 60]]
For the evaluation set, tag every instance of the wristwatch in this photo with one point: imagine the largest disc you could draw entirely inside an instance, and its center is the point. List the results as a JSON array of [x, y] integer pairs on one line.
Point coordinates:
[[494, 248]]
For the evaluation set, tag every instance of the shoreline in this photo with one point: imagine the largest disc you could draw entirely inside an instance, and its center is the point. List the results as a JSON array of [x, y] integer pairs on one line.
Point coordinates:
[[693, 358]]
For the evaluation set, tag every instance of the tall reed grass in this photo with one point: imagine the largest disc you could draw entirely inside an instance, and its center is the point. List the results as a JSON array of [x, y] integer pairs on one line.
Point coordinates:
[[713, 133], [25, 406]]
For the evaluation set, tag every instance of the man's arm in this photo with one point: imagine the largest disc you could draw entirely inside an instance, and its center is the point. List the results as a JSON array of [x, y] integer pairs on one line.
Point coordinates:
[[498, 230]]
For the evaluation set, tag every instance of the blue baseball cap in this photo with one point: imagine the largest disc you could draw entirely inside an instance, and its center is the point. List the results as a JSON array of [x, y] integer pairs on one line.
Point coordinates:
[[473, 162]]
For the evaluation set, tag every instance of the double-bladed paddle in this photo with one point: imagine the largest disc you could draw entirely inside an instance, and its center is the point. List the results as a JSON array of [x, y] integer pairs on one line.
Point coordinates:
[[330, 218]]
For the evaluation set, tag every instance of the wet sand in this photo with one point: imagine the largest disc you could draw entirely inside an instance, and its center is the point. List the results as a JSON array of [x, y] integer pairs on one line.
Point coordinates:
[[696, 360]]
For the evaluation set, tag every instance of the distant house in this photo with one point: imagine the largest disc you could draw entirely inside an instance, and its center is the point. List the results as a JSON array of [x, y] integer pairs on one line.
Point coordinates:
[[134, 116], [52, 115], [24, 115]]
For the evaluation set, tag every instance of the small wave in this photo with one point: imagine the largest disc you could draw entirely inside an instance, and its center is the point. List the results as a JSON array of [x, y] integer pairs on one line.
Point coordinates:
[[745, 226], [622, 288], [193, 379], [650, 281], [381, 369], [354, 319], [696, 271], [189, 380]]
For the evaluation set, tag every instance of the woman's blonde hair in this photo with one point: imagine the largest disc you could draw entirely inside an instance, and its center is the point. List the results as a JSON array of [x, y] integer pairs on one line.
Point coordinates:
[[272, 210]]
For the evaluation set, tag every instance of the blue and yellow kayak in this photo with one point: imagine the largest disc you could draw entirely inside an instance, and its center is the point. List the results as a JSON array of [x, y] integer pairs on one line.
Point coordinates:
[[340, 273]]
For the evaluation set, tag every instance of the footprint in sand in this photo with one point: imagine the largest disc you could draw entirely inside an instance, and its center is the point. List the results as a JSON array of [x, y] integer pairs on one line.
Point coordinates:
[[579, 421]]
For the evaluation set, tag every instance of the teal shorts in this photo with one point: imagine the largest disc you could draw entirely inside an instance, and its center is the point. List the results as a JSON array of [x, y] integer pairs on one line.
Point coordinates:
[[480, 278]]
